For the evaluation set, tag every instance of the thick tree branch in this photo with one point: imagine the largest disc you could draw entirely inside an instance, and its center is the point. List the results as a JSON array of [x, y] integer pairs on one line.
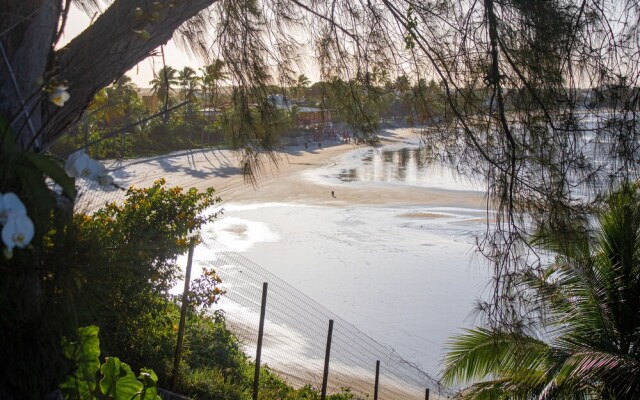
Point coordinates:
[[89, 62]]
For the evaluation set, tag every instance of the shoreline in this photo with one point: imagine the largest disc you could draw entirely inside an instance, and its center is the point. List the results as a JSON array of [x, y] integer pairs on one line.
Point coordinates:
[[332, 263], [285, 181]]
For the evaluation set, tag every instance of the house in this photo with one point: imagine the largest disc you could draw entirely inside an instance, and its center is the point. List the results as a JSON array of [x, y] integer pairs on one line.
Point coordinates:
[[305, 116], [211, 112], [149, 98]]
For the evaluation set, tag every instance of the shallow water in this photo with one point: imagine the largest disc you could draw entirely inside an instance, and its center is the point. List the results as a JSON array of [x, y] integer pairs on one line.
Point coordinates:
[[394, 165], [406, 276], [405, 280]]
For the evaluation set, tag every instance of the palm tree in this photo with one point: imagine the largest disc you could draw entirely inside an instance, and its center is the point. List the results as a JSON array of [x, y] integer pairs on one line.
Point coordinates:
[[586, 343], [211, 75], [188, 82], [302, 83], [402, 84], [162, 82]]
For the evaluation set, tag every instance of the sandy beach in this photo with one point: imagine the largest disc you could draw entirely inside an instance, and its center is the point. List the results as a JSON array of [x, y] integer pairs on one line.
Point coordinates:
[[395, 259], [284, 180]]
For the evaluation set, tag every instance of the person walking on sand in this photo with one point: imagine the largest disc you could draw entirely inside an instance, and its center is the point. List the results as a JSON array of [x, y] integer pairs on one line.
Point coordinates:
[[333, 194]]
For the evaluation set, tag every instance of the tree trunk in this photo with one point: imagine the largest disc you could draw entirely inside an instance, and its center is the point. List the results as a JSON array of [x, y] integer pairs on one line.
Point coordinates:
[[29, 65], [28, 30], [116, 42]]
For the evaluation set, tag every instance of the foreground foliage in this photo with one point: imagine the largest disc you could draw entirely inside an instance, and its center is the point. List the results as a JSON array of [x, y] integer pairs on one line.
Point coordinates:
[[113, 269], [586, 342], [117, 381]]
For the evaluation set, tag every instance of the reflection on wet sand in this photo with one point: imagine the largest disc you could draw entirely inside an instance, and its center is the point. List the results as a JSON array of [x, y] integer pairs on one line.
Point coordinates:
[[406, 165]]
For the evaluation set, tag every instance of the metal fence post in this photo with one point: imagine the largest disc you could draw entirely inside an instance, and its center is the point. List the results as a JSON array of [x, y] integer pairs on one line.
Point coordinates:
[[375, 388], [263, 309], [426, 395], [327, 355], [183, 315]]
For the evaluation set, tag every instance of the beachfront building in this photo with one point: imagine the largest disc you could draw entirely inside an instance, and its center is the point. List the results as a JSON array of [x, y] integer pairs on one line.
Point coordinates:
[[311, 116], [149, 98], [306, 117], [211, 113]]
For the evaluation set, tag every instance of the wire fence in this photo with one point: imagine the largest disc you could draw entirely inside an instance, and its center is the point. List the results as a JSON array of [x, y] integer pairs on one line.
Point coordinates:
[[296, 327], [295, 335]]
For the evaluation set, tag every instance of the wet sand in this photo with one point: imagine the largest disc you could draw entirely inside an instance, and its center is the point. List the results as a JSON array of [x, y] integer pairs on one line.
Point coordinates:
[[419, 229], [284, 181]]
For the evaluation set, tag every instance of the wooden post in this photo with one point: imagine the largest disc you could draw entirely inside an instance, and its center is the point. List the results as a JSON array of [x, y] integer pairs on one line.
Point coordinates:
[[327, 355], [263, 309], [426, 395], [183, 314], [375, 388]]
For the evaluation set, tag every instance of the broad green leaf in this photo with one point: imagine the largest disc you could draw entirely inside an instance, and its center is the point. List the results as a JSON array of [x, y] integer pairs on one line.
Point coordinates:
[[84, 353], [35, 190], [118, 382], [150, 381], [53, 170]]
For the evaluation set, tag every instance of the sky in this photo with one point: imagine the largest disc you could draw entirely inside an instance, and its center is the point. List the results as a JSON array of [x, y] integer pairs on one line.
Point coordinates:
[[143, 72]]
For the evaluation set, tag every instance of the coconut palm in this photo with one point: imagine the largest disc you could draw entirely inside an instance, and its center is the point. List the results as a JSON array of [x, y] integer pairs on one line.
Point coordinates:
[[162, 82], [211, 75], [188, 82], [586, 343], [302, 83]]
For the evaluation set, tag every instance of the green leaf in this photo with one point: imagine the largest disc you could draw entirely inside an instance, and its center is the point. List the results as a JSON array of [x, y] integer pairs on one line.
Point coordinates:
[[118, 382], [35, 190], [7, 139], [53, 170], [84, 353], [150, 381]]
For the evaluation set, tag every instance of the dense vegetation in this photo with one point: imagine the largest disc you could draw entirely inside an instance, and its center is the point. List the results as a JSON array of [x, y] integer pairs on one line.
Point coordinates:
[[202, 113]]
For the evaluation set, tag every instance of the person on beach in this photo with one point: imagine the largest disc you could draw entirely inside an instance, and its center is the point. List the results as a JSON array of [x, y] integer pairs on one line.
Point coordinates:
[[333, 194]]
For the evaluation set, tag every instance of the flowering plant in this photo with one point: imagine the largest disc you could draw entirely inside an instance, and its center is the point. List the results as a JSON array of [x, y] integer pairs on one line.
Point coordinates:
[[25, 193], [17, 227]]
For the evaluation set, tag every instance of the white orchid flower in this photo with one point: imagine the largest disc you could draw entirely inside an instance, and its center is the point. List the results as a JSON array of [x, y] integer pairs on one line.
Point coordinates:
[[59, 96], [76, 164], [80, 165], [17, 232], [10, 205]]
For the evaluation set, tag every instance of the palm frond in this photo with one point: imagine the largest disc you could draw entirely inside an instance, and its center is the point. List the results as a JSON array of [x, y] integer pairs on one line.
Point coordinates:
[[620, 373], [480, 353], [587, 305]]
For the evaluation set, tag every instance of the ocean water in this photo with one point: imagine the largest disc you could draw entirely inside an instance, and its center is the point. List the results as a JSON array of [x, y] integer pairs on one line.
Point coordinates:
[[408, 276], [405, 281]]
